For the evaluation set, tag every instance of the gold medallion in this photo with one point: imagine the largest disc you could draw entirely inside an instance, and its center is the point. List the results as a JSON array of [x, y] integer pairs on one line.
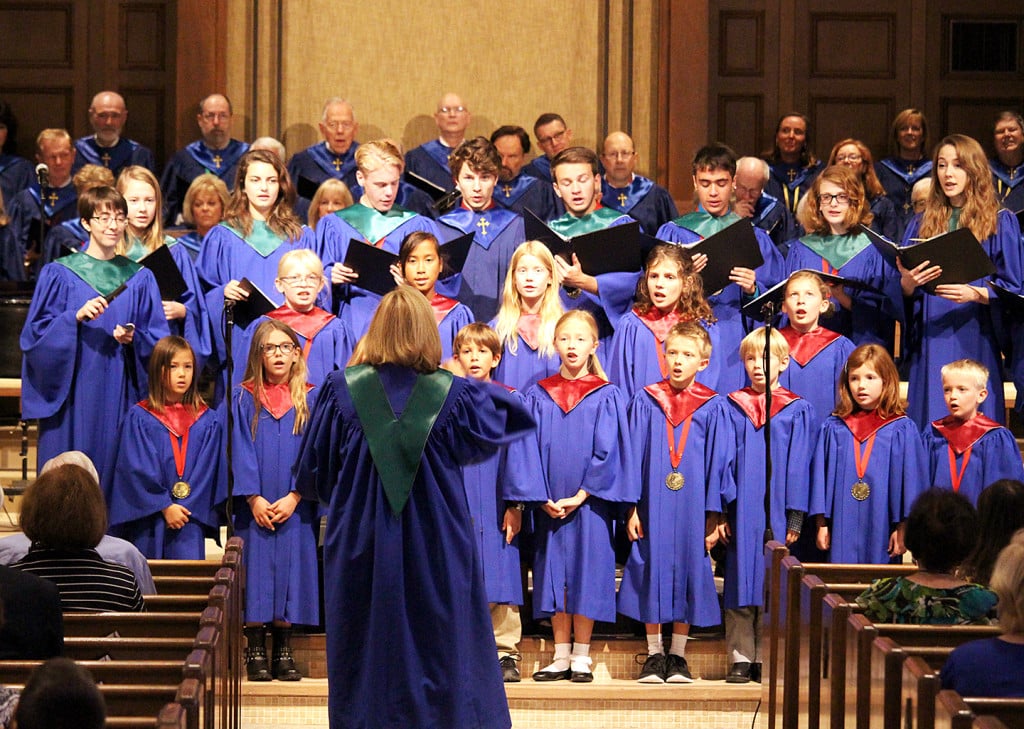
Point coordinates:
[[181, 490], [860, 490], [674, 480]]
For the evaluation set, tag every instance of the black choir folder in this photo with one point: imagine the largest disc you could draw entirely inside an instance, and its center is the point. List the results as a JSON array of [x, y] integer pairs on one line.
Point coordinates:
[[775, 295], [609, 250], [165, 270], [732, 247], [1011, 302], [374, 264], [252, 308], [443, 200], [959, 254]]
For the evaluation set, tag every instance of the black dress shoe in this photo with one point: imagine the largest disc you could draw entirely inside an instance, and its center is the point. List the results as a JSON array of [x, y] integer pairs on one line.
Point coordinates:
[[739, 673], [553, 675], [755, 672], [509, 669], [581, 676]]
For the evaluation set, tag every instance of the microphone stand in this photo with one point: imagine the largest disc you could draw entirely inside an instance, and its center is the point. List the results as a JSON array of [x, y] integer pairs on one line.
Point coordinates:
[[43, 179], [229, 325], [768, 313]]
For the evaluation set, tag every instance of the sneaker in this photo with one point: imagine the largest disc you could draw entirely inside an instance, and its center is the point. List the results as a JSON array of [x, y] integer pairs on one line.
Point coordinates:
[[509, 669], [653, 670], [676, 670]]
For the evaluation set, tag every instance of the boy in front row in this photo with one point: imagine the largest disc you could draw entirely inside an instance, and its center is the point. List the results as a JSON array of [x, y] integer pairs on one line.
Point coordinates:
[[967, 451], [793, 433], [682, 439]]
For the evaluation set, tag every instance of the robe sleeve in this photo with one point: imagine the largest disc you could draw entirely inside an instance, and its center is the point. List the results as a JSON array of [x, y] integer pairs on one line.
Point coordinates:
[[244, 462], [319, 459], [611, 473], [908, 470], [719, 469], [521, 473], [798, 473], [196, 326], [483, 418], [213, 262], [822, 465]]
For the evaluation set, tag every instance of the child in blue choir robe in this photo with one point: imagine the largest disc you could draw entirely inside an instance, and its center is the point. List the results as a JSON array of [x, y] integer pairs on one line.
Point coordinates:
[[817, 355], [836, 244], [375, 220], [868, 464], [383, 451], [93, 321], [499, 490], [187, 316], [420, 263], [668, 293], [714, 168], [270, 411], [668, 576], [530, 308], [966, 450], [588, 464], [958, 320], [169, 467], [792, 434], [497, 231]]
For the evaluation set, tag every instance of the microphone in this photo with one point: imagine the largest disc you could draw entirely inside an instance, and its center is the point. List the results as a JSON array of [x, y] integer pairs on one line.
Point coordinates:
[[43, 174]]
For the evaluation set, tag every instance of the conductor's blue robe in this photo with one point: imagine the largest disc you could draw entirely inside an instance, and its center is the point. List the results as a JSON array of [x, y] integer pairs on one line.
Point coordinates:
[[668, 576], [584, 444], [393, 581], [983, 452]]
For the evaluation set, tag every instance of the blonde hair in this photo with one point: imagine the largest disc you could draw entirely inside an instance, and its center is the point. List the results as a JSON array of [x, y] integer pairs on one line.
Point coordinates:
[[330, 185], [878, 359], [593, 363], [753, 343], [255, 374], [807, 276], [92, 176], [300, 257], [403, 332], [693, 331], [52, 135], [1008, 583], [379, 153], [153, 236], [206, 182], [980, 209], [971, 368], [511, 309], [849, 181]]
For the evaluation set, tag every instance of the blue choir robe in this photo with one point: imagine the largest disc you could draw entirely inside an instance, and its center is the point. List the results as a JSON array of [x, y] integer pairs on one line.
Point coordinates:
[[525, 365], [76, 378], [873, 316], [59, 204], [125, 153], [940, 331], [12, 258], [896, 473], [774, 218], [898, 177], [584, 444], [70, 235], [326, 344], [16, 174], [145, 470], [615, 289], [966, 457], [316, 164], [816, 362], [409, 197], [192, 243], [188, 163], [790, 182], [280, 565], [227, 256], [450, 316], [539, 167], [885, 221], [732, 326], [510, 476], [526, 192], [391, 580], [430, 161], [1009, 191], [352, 304], [636, 355], [668, 576], [793, 434], [196, 328], [643, 200], [497, 233]]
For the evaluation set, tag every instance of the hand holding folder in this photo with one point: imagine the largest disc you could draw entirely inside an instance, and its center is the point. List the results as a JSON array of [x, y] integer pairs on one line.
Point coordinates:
[[959, 255]]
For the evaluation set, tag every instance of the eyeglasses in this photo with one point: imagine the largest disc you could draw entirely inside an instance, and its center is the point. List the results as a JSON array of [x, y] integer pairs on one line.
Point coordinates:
[[283, 348], [553, 138], [826, 198], [840, 158], [451, 109], [619, 155], [216, 115], [309, 280], [334, 126], [104, 220]]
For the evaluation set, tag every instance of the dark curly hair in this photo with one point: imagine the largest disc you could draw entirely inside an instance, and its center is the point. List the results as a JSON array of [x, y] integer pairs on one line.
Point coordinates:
[[941, 530]]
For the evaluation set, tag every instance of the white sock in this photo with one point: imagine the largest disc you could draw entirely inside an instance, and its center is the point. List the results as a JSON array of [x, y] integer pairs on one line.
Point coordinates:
[[655, 644], [561, 662], [678, 645], [581, 649], [581, 657]]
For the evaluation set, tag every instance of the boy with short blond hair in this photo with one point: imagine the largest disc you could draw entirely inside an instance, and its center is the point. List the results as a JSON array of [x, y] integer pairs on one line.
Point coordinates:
[[967, 450]]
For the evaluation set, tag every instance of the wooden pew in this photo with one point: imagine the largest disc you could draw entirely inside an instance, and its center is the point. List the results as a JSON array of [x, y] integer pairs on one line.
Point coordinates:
[[172, 716], [17, 672], [775, 556], [1008, 711], [132, 625], [988, 722], [184, 567], [951, 712], [177, 603], [835, 610], [183, 584], [127, 649], [920, 687]]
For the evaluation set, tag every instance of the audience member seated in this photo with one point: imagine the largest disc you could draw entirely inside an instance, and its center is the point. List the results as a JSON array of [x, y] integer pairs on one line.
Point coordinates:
[[941, 531], [65, 517], [1000, 515], [994, 667], [60, 694], [31, 624]]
